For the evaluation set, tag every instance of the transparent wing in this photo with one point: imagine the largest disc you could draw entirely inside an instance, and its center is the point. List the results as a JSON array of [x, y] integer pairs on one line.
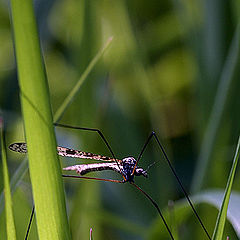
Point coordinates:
[[18, 147], [93, 167], [66, 152]]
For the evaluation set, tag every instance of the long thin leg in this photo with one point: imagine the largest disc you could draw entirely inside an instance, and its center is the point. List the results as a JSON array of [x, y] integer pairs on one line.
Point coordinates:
[[30, 223], [156, 206], [100, 134], [153, 134], [117, 181], [94, 178], [71, 176]]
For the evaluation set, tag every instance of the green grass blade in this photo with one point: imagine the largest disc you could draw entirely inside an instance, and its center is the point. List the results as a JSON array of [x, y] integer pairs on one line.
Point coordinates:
[[15, 180], [11, 232], [81, 80], [45, 170], [183, 212], [218, 231], [215, 198], [210, 135]]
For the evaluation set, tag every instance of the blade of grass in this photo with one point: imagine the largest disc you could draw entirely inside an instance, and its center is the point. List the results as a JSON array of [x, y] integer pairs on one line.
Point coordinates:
[[210, 135], [219, 227], [45, 170], [11, 232], [59, 113], [15, 180], [183, 212], [214, 197]]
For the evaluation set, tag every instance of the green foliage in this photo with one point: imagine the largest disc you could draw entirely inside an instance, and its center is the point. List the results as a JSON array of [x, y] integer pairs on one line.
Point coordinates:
[[46, 177], [209, 139], [81, 80], [10, 226], [218, 231], [165, 71], [182, 212]]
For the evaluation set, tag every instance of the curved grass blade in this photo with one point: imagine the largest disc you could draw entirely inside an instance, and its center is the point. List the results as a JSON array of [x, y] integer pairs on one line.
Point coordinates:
[[182, 211], [11, 232], [215, 197], [218, 231], [15, 180]]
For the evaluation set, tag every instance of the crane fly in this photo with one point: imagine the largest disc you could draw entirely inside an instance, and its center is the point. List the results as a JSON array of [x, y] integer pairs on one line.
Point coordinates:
[[124, 166], [127, 167]]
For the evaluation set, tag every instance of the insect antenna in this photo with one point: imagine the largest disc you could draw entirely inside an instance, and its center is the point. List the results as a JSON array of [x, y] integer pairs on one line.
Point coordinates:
[[153, 135], [149, 166]]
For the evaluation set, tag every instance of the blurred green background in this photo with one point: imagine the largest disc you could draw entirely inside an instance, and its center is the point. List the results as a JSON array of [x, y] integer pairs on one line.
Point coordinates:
[[173, 68]]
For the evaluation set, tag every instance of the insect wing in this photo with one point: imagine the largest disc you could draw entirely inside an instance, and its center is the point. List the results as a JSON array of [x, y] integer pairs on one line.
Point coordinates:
[[83, 169], [18, 147], [68, 152], [65, 152]]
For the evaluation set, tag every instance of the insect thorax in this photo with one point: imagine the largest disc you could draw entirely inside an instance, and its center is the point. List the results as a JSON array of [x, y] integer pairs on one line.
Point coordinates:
[[128, 166]]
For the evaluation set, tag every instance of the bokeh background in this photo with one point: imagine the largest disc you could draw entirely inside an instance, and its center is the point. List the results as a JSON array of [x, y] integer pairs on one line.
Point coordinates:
[[173, 68]]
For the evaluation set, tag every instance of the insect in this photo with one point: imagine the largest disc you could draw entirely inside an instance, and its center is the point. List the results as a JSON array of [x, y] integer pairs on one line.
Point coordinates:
[[127, 167], [124, 166]]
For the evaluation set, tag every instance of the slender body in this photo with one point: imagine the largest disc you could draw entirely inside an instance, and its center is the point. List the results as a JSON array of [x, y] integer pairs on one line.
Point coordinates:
[[124, 166], [83, 169]]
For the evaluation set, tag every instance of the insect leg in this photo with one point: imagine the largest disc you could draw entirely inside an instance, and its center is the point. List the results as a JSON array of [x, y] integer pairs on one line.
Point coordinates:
[[156, 206], [153, 135], [100, 134], [70, 176], [30, 223], [94, 178], [118, 181]]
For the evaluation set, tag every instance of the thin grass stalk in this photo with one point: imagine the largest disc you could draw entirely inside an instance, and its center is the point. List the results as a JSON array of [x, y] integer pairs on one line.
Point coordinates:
[[218, 231], [10, 225], [45, 170], [59, 113], [213, 126], [15, 180]]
